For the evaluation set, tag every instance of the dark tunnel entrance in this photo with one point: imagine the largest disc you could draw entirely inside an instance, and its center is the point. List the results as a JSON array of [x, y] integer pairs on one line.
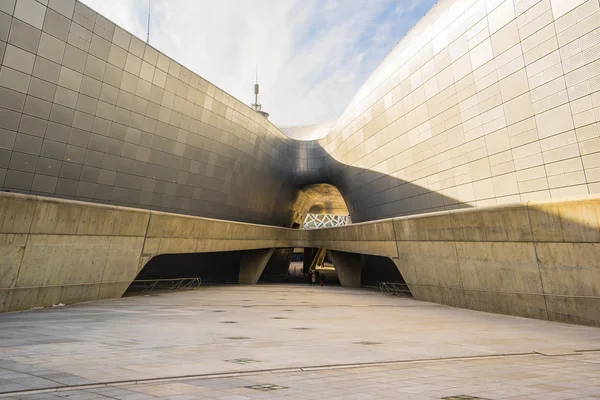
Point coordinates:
[[291, 266], [288, 265], [277, 269], [211, 268], [376, 269], [284, 266], [381, 273]]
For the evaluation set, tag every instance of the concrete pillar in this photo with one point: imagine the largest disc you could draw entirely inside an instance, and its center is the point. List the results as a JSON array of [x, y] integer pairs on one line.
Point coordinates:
[[348, 267], [252, 265]]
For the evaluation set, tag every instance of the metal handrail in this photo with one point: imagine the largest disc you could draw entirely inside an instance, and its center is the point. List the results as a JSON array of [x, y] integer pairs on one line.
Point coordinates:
[[395, 289], [129, 282], [168, 284]]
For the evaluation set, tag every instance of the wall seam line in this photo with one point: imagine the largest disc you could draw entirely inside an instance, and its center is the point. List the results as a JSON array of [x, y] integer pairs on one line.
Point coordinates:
[[110, 243], [24, 250], [537, 260], [454, 244], [143, 245], [398, 258]]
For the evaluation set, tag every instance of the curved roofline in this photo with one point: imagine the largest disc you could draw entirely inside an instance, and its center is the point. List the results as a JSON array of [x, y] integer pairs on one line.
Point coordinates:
[[305, 133]]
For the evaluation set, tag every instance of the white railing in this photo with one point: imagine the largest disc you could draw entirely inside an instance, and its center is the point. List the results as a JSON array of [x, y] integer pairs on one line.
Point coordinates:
[[316, 221]]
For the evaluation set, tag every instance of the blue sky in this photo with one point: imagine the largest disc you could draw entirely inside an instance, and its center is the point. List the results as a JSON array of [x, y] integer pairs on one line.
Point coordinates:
[[313, 55]]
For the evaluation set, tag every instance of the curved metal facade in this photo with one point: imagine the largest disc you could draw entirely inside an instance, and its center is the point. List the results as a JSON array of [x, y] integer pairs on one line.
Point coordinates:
[[483, 102], [90, 112]]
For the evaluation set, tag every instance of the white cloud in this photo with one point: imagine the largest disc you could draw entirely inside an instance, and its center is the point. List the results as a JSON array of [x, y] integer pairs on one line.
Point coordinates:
[[313, 55]]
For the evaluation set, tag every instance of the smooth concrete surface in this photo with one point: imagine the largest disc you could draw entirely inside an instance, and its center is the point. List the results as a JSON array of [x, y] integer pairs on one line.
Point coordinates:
[[433, 350], [60, 251], [253, 264], [494, 378], [538, 260], [347, 267]]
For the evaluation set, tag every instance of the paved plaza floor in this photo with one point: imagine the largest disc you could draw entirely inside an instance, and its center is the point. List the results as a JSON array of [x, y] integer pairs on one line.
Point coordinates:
[[290, 342]]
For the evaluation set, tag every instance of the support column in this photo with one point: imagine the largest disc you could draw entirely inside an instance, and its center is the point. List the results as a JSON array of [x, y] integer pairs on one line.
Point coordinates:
[[347, 266], [252, 265]]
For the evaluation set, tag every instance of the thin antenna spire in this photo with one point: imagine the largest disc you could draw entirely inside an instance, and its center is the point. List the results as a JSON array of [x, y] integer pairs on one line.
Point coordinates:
[[256, 106], [148, 36], [256, 88]]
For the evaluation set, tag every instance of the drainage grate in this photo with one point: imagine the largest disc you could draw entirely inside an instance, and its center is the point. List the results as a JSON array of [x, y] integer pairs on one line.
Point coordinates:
[[242, 361], [367, 343], [464, 397], [302, 329], [229, 322], [278, 317], [266, 387], [218, 310], [288, 310], [237, 337]]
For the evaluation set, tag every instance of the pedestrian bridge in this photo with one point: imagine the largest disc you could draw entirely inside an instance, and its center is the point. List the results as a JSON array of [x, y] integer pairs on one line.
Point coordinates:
[[531, 259]]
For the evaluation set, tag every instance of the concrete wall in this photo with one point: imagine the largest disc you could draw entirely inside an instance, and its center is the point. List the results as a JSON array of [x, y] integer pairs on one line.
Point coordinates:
[[534, 259], [375, 238], [54, 251], [537, 260], [58, 251]]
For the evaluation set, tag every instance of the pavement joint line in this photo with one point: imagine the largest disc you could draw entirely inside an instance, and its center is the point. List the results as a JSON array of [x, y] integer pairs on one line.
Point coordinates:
[[573, 353], [295, 305], [258, 372]]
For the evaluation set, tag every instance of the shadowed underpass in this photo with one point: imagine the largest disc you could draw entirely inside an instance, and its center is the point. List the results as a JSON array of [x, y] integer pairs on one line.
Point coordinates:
[[217, 267], [224, 268]]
